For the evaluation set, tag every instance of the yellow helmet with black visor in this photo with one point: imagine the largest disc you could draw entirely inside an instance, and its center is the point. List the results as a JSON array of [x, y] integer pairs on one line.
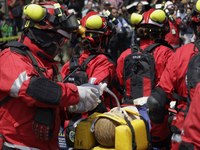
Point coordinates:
[[155, 20], [47, 24], [99, 29]]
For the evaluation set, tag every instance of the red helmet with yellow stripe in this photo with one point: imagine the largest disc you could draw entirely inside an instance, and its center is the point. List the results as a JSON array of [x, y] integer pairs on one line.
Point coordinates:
[[50, 16], [98, 29], [153, 19]]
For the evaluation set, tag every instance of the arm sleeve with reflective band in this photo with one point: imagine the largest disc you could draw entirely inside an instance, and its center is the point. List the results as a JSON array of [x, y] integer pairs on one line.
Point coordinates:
[[16, 74]]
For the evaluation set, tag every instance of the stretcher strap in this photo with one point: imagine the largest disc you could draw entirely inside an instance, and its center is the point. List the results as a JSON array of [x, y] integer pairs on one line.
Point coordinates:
[[134, 146], [148, 133]]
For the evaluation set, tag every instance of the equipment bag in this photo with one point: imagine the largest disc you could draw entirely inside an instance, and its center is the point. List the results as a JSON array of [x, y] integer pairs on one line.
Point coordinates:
[[139, 70]]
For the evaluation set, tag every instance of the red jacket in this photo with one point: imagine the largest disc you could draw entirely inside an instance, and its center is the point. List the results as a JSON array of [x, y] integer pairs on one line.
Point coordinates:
[[191, 128], [174, 78], [16, 116], [173, 39], [161, 56], [99, 68]]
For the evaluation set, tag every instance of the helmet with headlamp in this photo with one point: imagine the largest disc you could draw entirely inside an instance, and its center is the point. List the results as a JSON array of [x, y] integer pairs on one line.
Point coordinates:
[[50, 16], [155, 20], [98, 29], [48, 25]]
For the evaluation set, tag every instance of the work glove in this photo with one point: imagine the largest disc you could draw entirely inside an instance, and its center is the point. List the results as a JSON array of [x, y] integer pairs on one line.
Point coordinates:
[[43, 122], [88, 98]]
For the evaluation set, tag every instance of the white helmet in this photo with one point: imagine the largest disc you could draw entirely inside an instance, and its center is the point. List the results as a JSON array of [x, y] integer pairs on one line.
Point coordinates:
[[169, 5]]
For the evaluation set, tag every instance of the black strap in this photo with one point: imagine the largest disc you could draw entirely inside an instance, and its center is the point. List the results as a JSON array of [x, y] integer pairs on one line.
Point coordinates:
[[22, 47], [134, 145], [5, 100], [74, 62], [148, 133], [154, 45], [179, 97], [35, 64], [135, 48], [85, 63]]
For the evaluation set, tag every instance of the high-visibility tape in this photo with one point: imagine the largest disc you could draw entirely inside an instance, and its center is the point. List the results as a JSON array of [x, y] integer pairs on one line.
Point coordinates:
[[9, 38]]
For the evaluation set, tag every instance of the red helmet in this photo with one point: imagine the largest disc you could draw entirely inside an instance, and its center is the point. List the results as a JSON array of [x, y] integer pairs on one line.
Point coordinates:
[[98, 29], [50, 16], [152, 19]]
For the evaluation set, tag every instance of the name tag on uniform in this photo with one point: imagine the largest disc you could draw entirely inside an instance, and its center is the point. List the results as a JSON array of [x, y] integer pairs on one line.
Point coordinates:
[[173, 31]]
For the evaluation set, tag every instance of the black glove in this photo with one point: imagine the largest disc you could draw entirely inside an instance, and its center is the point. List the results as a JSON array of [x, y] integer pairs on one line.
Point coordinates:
[[43, 122]]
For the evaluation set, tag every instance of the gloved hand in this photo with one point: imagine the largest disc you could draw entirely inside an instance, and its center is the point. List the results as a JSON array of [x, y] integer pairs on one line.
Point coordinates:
[[88, 98], [43, 122], [89, 93]]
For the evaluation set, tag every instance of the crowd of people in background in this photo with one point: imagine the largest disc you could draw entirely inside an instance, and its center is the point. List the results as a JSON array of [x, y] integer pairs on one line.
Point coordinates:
[[117, 42], [11, 25]]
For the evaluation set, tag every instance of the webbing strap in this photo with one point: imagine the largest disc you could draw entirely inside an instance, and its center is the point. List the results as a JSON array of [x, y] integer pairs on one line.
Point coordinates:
[[84, 65], [134, 146], [179, 97], [5, 100], [148, 133], [35, 64], [149, 48], [18, 45]]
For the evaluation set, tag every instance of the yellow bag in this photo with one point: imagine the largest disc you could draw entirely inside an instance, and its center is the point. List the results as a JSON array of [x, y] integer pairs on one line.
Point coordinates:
[[84, 138]]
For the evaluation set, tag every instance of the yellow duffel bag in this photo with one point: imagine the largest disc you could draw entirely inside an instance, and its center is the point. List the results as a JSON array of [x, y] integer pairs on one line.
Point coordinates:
[[128, 134], [133, 135], [84, 138]]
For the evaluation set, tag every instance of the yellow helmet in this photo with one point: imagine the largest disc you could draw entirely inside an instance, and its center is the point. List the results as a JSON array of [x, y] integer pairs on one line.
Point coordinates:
[[152, 18]]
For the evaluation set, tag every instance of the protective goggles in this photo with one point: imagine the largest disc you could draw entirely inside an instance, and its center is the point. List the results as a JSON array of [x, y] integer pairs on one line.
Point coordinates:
[[60, 19]]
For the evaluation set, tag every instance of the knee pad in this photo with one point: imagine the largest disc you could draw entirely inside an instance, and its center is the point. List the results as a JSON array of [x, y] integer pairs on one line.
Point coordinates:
[[156, 105], [44, 91]]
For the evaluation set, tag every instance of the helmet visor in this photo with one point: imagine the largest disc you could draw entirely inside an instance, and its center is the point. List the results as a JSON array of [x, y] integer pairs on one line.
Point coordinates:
[[70, 24]]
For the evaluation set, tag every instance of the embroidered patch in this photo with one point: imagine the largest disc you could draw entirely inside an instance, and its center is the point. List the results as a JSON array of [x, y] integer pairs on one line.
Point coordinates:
[[71, 135]]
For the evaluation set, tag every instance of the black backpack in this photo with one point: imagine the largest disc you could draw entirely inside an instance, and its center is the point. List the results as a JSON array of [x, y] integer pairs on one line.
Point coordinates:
[[139, 68], [17, 10], [193, 74]]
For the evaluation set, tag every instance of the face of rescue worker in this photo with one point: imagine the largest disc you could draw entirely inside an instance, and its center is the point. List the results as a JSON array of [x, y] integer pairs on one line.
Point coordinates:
[[57, 44]]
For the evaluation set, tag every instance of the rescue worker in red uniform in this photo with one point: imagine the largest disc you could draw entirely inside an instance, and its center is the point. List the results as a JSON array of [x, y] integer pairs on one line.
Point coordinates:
[[172, 85], [175, 26], [100, 69], [150, 26], [191, 130], [30, 116], [148, 31]]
